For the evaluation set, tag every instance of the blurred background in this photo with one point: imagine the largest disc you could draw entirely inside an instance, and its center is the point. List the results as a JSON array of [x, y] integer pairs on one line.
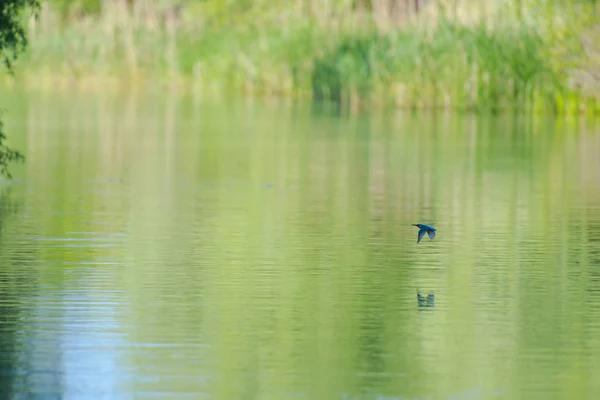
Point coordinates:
[[217, 200], [476, 54]]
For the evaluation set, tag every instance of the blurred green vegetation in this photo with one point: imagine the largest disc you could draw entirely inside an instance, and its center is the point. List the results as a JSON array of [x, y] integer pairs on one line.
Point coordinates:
[[535, 55], [13, 42]]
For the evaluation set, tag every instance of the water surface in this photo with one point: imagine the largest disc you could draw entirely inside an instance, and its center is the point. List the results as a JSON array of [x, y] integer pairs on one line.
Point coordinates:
[[155, 245]]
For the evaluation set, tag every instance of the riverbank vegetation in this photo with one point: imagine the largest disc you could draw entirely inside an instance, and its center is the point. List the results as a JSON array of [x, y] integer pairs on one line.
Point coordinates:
[[484, 55], [13, 42]]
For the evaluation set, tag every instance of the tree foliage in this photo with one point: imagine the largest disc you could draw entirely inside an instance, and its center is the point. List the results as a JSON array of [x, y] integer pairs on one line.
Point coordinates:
[[7, 155], [13, 40]]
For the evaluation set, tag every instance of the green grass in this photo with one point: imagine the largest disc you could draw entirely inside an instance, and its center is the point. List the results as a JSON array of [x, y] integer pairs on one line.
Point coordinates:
[[477, 55]]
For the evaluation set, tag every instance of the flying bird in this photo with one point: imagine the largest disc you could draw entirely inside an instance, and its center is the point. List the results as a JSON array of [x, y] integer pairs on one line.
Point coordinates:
[[425, 228]]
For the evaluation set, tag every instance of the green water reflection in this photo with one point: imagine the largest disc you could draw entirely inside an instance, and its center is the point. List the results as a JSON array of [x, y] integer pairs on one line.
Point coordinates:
[[164, 245]]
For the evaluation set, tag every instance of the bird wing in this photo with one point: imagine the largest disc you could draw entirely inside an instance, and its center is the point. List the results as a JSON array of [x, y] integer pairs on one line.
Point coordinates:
[[421, 233], [431, 234]]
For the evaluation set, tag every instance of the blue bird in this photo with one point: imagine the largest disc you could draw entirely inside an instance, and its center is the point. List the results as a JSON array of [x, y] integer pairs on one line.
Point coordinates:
[[425, 228]]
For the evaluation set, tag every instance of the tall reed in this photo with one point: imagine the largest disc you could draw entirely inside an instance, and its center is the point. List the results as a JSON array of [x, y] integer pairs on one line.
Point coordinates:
[[471, 54]]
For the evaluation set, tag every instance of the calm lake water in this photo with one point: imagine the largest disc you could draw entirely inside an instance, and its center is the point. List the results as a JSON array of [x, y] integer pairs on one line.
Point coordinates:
[[156, 245]]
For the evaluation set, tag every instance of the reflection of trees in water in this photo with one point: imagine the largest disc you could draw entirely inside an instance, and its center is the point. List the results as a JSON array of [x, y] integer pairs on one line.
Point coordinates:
[[371, 344], [14, 283]]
